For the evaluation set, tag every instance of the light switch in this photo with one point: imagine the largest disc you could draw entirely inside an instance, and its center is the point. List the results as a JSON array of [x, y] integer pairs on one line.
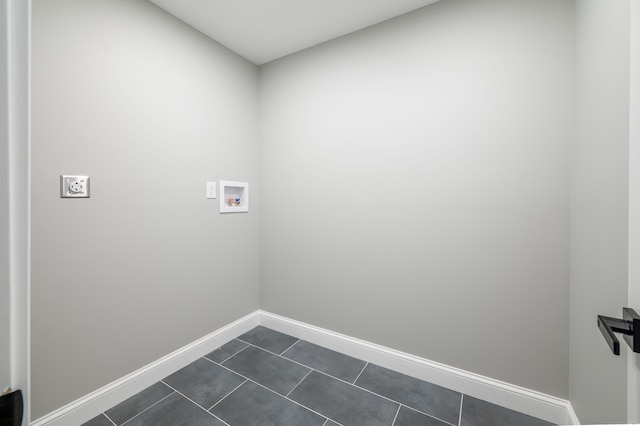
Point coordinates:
[[211, 190]]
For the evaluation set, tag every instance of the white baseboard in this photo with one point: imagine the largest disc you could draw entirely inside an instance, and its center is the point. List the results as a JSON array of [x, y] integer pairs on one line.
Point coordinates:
[[536, 404], [114, 393], [546, 407], [573, 417]]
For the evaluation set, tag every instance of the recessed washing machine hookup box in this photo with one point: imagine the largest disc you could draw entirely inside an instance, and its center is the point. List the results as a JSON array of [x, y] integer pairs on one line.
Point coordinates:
[[234, 196]]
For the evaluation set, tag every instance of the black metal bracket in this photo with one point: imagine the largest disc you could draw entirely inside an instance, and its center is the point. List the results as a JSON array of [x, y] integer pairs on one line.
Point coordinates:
[[628, 326]]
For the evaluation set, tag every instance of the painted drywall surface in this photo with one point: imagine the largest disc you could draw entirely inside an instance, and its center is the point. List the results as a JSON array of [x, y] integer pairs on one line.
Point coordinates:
[[151, 110], [633, 369], [599, 213], [416, 187]]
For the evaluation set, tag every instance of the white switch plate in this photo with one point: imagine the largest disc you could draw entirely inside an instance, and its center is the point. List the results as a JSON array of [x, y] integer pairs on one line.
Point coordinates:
[[74, 186], [211, 190]]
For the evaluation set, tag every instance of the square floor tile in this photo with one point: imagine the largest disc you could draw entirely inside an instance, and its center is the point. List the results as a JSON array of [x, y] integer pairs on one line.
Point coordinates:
[[175, 410], [252, 404], [204, 382], [343, 402], [138, 403], [322, 359], [272, 371], [476, 412], [408, 417], [428, 398], [268, 339], [226, 351], [100, 420]]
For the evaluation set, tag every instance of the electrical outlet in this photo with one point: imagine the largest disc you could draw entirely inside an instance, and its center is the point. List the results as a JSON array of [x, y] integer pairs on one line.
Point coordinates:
[[74, 186]]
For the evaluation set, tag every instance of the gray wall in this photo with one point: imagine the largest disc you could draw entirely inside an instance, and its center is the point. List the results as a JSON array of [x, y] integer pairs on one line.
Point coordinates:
[[416, 187], [150, 109], [599, 214], [414, 180], [633, 395]]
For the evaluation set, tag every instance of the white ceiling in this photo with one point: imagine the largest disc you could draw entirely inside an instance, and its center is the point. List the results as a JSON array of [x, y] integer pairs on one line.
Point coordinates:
[[264, 30]]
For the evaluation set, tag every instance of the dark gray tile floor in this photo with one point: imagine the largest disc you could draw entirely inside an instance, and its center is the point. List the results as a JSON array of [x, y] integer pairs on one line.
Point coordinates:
[[268, 378]]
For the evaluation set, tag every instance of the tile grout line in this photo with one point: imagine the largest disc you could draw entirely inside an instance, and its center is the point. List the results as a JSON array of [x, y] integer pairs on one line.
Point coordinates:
[[231, 356], [280, 395], [387, 398], [260, 347], [348, 383], [109, 418], [148, 408], [196, 404], [306, 366], [302, 365], [294, 343], [384, 397], [294, 388], [396, 416], [425, 414], [358, 387], [354, 382], [333, 421], [461, 404], [247, 379], [279, 356], [224, 397], [361, 371]]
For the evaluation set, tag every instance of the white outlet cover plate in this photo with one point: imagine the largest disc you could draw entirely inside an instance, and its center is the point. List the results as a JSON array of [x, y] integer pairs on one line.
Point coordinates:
[[74, 186]]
